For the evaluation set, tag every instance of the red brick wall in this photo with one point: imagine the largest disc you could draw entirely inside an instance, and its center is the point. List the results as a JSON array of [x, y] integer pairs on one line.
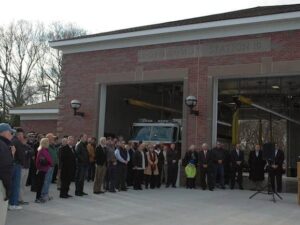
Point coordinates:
[[39, 126], [80, 71]]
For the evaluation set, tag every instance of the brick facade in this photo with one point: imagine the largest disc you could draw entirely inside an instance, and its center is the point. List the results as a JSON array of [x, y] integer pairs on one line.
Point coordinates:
[[39, 126], [82, 73]]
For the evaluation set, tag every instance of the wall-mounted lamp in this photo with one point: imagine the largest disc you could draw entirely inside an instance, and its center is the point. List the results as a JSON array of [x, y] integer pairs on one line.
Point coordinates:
[[191, 102], [75, 105]]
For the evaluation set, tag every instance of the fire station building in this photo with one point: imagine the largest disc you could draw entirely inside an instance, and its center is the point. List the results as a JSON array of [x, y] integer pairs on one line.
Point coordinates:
[[254, 53]]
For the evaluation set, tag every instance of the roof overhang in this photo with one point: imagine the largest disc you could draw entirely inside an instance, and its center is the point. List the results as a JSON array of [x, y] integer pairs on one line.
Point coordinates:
[[208, 30]]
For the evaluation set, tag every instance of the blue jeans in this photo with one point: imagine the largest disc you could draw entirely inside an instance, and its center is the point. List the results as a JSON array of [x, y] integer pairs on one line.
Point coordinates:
[[219, 174], [47, 182], [16, 182]]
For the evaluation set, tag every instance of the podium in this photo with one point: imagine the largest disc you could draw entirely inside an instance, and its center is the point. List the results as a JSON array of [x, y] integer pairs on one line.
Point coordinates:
[[298, 177]]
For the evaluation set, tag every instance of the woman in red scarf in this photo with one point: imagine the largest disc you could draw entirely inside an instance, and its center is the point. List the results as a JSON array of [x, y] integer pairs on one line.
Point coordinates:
[[151, 171]]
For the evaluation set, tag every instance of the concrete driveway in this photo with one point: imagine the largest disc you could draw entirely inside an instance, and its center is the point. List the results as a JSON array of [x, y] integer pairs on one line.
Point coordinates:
[[159, 207]]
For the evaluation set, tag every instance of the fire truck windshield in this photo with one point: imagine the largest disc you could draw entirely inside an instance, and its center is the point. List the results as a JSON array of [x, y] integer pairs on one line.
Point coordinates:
[[154, 133]]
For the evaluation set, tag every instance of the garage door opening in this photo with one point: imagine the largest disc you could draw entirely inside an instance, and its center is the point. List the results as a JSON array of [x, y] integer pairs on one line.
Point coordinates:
[[143, 103], [268, 110]]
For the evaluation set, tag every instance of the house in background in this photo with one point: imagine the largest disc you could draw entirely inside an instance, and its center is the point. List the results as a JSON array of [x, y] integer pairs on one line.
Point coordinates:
[[40, 117]]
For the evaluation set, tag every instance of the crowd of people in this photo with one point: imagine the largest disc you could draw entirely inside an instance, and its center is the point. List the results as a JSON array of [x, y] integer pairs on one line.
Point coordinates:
[[28, 159]]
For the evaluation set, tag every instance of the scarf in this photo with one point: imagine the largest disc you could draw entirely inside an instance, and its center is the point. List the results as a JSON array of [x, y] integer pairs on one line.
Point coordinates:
[[152, 159]]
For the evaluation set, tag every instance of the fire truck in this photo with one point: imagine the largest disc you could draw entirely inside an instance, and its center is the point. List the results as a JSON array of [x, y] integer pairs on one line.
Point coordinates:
[[163, 132]]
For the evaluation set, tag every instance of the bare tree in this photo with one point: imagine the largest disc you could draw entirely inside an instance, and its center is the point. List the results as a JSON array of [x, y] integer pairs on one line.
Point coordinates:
[[22, 47], [28, 66], [51, 66]]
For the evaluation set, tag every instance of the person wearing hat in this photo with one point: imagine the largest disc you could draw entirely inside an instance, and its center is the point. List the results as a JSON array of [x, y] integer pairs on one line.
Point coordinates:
[[6, 168]]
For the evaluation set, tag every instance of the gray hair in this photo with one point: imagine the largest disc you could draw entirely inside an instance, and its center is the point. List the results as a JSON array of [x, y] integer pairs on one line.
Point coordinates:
[[192, 147], [204, 145], [102, 139]]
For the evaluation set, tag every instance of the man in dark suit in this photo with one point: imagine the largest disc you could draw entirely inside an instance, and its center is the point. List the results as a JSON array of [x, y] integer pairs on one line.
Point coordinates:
[[67, 165], [276, 169], [172, 158], [219, 153], [237, 162], [82, 164], [206, 166], [130, 172]]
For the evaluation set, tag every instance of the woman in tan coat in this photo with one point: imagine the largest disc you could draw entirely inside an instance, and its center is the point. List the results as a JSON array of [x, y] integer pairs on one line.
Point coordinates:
[[151, 171]]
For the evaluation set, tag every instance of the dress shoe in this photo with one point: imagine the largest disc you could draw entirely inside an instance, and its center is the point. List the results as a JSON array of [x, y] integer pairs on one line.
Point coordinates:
[[69, 196], [63, 196], [241, 188], [83, 193], [78, 194], [40, 200], [97, 192]]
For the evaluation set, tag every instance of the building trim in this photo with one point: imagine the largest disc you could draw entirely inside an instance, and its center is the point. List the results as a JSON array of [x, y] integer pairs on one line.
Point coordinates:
[[26, 117], [209, 30], [33, 111]]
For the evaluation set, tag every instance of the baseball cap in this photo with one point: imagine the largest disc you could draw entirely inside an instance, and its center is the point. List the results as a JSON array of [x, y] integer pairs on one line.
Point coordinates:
[[6, 127]]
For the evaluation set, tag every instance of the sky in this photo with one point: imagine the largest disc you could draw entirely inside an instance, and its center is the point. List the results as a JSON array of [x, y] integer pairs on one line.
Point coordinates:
[[97, 16]]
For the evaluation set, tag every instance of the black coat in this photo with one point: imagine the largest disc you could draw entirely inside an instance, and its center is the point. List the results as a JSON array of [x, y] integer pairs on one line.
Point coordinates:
[[130, 163], [209, 159], [234, 157], [161, 159], [172, 155], [6, 165], [67, 162], [219, 154], [190, 156], [256, 166], [279, 160], [19, 156], [137, 159], [100, 155], [82, 154]]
